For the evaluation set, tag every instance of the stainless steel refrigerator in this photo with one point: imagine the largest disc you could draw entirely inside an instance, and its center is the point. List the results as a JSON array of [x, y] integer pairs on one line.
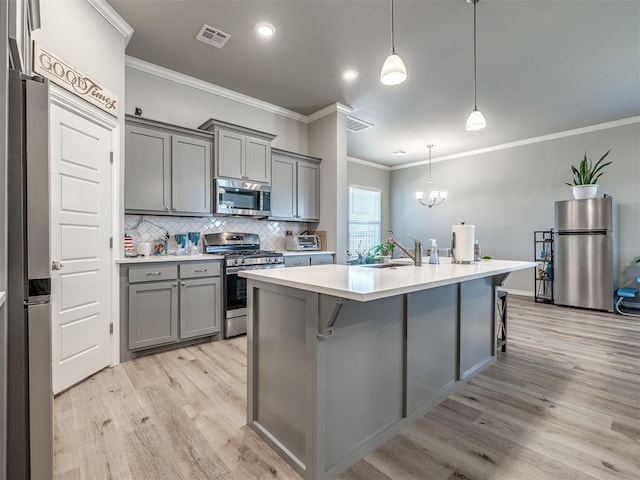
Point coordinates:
[[584, 253], [29, 391]]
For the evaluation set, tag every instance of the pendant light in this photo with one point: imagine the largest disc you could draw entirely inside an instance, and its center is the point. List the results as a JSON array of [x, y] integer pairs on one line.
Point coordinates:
[[476, 120], [393, 70], [435, 197]]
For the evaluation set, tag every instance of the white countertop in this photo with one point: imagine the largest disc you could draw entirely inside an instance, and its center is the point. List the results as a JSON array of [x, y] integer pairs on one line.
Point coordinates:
[[170, 258], [363, 283], [288, 253]]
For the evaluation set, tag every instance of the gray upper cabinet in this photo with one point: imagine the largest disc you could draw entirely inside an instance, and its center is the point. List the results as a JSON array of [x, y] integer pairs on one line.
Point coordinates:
[[147, 183], [191, 175], [295, 187], [241, 153], [168, 169]]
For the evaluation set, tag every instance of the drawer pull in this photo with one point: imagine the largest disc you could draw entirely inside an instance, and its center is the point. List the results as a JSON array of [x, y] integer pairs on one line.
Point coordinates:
[[153, 274], [200, 270]]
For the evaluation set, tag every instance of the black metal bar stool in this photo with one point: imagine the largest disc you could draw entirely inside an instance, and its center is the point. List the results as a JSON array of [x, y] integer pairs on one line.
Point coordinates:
[[501, 310]]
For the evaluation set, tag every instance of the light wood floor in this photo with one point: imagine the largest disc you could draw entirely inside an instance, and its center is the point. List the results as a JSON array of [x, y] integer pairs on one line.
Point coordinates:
[[562, 403]]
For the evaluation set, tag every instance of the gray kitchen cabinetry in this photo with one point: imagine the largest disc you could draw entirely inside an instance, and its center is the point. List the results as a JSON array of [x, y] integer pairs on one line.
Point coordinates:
[[200, 299], [167, 169], [306, 260], [241, 153], [169, 303], [295, 187]]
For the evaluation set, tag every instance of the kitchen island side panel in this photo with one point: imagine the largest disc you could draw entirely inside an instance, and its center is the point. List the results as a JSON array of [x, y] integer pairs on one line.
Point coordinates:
[[361, 388], [477, 325], [280, 361], [432, 344]]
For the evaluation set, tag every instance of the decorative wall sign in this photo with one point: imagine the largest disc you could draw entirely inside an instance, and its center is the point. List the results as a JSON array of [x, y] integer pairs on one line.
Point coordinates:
[[61, 73]]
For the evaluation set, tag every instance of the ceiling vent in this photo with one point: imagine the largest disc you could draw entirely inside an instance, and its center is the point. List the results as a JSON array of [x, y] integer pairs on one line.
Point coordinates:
[[213, 36], [356, 125]]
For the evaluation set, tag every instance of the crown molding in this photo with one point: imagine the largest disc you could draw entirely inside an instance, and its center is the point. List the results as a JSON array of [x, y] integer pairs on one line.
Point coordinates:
[[192, 82], [527, 141], [368, 163], [107, 11], [329, 109]]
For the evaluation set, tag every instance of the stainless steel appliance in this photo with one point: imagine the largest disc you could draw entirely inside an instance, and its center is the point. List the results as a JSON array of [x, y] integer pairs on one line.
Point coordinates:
[[241, 252], [241, 197], [584, 253], [298, 243], [29, 390]]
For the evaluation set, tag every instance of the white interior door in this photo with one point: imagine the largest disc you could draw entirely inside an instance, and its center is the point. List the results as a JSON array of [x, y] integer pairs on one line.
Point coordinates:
[[80, 232]]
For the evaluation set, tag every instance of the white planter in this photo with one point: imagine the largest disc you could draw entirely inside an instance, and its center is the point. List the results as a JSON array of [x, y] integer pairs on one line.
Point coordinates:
[[584, 191]]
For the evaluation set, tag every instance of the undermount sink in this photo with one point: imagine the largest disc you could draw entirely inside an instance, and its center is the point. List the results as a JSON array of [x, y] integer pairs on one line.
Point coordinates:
[[384, 265]]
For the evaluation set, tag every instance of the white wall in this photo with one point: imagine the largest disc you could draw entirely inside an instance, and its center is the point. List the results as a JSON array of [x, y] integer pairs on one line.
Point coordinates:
[[174, 102], [510, 193], [377, 177]]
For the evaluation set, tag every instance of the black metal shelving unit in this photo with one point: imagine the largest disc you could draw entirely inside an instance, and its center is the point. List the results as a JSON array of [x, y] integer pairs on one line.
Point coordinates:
[[543, 255]]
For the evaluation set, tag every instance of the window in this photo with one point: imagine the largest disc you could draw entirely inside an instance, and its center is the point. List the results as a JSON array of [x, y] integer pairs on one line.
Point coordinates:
[[364, 219]]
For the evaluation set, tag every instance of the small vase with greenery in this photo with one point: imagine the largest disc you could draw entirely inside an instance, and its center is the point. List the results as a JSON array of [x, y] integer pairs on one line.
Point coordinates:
[[586, 175]]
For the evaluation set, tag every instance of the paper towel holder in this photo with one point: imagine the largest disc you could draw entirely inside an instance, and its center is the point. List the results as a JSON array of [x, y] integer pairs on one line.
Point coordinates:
[[453, 249]]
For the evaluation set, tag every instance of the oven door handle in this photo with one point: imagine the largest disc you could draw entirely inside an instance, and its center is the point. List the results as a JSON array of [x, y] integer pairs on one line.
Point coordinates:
[[235, 270]]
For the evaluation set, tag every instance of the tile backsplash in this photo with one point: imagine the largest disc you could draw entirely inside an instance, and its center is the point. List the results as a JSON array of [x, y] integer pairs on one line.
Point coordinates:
[[148, 228]]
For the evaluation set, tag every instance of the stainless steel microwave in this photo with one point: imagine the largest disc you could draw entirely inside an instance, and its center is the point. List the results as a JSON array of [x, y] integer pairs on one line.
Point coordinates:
[[241, 197]]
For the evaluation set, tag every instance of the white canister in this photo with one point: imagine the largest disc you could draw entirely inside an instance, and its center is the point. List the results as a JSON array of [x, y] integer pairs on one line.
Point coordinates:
[[462, 243]]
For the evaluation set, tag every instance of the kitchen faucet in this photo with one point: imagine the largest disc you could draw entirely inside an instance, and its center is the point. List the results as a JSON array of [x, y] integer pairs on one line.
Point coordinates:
[[416, 256]]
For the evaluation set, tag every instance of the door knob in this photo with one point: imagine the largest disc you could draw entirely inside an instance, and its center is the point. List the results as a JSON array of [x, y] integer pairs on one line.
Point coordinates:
[[56, 265]]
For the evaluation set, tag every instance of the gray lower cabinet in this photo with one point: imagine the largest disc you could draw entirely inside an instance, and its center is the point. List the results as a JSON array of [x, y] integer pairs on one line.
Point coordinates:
[[153, 314], [295, 186], [197, 297], [169, 303], [306, 260], [168, 169]]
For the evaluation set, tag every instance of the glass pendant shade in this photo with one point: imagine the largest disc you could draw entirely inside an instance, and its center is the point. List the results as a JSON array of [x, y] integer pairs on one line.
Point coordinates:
[[419, 195], [476, 120], [393, 70]]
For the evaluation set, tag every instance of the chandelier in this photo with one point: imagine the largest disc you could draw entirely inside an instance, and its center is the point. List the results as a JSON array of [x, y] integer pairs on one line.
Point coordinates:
[[434, 197]]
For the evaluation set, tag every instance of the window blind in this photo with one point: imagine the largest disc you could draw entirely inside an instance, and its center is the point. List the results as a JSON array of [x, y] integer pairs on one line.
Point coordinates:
[[364, 219]]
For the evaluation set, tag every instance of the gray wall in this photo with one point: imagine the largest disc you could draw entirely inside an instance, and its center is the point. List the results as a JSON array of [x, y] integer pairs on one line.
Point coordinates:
[[379, 178], [507, 194], [328, 140], [172, 102], [4, 14]]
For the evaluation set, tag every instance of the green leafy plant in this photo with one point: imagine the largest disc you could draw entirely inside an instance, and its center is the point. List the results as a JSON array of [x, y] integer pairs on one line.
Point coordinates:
[[588, 173], [384, 249], [360, 256]]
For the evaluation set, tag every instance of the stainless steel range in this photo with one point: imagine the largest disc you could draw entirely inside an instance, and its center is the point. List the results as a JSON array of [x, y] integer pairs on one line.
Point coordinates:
[[241, 252]]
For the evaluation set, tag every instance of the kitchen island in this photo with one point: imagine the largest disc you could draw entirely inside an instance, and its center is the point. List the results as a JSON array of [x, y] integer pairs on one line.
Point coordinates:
[[341, 358]]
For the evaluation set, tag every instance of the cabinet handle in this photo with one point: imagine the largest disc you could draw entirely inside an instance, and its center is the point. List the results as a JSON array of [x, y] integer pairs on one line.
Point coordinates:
[[153, 274], [183, 284], [166, 208], [199, 270], [175, 284], [173, 209]]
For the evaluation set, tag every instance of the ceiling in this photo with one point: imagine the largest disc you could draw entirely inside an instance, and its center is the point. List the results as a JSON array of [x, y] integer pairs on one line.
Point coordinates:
[[543, 66]]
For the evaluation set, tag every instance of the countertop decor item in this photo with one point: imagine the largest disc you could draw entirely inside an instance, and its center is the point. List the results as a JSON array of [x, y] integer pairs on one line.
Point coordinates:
[[586, 175], [434, 197]]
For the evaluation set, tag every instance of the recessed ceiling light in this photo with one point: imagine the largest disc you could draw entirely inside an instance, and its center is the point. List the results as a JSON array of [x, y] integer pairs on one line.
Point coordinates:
[[349, 74], [400, 152], [265, 29]]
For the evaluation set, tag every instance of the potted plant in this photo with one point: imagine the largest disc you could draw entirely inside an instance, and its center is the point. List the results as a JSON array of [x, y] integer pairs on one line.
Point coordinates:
[[383, 251], [585, 177], [360, 256]]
